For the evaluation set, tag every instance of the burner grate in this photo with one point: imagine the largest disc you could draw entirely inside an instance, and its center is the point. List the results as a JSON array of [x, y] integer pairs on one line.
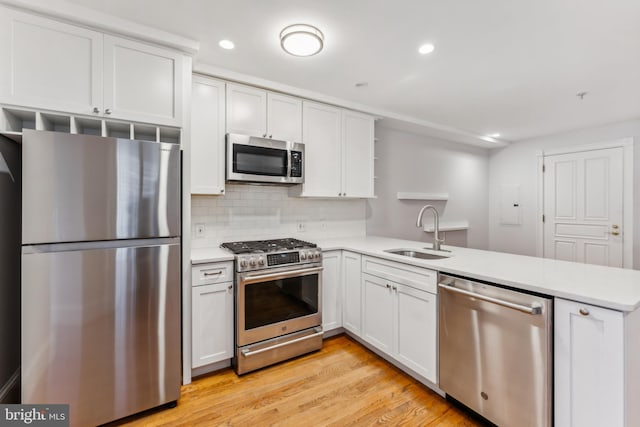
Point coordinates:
[[262, 246]]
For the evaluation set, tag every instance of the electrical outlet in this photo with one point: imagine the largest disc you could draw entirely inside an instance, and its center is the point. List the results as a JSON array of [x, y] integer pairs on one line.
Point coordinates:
[[200, 230], [301, 227]]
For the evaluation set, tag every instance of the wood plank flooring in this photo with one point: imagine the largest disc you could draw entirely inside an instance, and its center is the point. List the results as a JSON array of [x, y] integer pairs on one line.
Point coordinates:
[[344, 384]]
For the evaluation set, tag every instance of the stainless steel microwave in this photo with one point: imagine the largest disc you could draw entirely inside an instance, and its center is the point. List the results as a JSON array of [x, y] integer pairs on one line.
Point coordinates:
[[253, 159]]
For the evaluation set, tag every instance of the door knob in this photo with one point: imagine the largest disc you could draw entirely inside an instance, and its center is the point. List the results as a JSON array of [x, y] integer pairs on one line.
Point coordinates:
[[615, 233], [96, 110], [614, 226]]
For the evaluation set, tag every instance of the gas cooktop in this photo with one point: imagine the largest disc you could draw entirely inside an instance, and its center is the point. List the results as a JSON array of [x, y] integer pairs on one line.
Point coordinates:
[[262, 246], [276, 253]]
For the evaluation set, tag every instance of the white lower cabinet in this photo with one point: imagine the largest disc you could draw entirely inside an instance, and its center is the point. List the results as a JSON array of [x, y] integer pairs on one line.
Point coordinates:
[[589, 347], [212, 316], [401, 321], [331, 290], [351, 292]]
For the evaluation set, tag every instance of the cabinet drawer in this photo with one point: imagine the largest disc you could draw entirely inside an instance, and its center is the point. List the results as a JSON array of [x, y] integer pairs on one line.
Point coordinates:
[[420, 278], [205, 274]]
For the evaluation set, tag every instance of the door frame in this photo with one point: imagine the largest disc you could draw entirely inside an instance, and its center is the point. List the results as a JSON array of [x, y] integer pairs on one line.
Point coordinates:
[[627, 195]]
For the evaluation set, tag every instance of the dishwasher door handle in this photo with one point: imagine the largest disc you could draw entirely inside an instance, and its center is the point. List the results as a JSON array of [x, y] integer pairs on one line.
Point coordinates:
[[529, 309]]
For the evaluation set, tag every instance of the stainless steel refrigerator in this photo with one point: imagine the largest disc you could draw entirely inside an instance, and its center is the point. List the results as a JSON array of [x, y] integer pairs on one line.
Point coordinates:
[[100, 274]]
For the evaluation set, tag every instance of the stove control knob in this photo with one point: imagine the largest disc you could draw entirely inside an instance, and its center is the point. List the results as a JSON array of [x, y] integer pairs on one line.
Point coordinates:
[[303, 256], [252, 261], [260, 261], [243, 263], [318, 255]]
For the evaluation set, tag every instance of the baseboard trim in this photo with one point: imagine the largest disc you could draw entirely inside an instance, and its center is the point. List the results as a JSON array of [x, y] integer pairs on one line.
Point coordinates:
[[11, 388]]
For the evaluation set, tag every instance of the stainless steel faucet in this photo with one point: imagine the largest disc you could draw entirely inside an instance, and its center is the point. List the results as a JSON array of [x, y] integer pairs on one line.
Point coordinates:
[[436, 226]]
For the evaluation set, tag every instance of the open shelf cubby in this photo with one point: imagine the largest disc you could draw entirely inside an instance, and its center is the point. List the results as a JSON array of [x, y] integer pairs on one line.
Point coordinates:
[[14, 120]]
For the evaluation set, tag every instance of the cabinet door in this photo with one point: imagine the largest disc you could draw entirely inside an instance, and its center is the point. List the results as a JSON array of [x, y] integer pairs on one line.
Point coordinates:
[[321, 127], [246, 110], [48, 64], [142, 82], [416, 330], [207, 136], [351, 289], [589, 365], [357, 154], [377, 317], [331, 296], [212, 328], [284, 117]]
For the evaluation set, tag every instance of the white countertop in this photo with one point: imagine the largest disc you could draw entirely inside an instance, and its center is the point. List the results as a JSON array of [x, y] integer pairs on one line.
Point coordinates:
[[614, 288]]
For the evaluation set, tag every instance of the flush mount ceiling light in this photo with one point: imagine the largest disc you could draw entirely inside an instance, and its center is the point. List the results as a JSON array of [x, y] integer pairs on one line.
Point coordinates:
[[226, 44], [426, 48], [494, 135], [301, 40]]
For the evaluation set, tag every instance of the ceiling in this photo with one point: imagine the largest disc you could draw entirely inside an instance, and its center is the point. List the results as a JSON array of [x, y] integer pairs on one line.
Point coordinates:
[[507, 66]]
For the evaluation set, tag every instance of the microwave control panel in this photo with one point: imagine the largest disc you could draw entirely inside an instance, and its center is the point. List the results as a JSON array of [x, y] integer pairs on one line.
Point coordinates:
[[296, 164]]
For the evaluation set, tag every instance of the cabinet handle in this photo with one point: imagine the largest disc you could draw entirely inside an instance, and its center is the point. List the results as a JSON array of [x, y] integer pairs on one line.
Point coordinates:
[[264, 135], [395, 288], [213, 274], [107, 111], [230, 287], [344, 194], [339, 194], [221, 191], [270, 136], [584, 311], [96, 110], [614, 233], [387, 285]]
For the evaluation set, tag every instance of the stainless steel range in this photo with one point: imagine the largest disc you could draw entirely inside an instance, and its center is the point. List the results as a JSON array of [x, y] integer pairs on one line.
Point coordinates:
[[278, 301]]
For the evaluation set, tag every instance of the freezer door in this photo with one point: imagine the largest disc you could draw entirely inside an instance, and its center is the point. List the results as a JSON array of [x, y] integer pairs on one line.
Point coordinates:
[[86, 188], [101, 330]]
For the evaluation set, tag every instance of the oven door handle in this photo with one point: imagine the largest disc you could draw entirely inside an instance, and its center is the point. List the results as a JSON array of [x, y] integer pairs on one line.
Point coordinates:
[[248, 353], [277, 276]]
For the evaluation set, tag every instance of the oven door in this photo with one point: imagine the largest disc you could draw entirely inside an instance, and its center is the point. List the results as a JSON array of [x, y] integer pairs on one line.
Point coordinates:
[[277, 302], [257, 159]]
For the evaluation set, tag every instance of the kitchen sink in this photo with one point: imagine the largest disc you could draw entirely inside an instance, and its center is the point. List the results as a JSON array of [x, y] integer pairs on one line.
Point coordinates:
[[416, 254]]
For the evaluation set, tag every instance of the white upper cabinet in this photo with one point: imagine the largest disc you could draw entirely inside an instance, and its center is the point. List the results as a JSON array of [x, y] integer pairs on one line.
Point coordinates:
[[246, 110], [357, 154], [256, 112], [49, 64], [339, 152], [322, 126], [62, 67], [284, 117], [142, 82], [207, 136]]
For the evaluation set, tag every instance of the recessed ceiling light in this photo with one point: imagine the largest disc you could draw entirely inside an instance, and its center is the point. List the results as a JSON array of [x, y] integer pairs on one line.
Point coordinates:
[[426, 48], [301, 40], [226, 44]]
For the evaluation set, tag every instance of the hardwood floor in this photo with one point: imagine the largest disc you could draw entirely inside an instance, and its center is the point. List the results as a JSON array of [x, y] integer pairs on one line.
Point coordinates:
[[344, 384]]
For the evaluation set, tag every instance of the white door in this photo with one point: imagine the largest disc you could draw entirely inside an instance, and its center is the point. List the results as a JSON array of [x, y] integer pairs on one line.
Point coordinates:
[[48, 64], [416, 330], [352, 291], [331, 297], [142, 82], [357, 154], [589, 365], [322, 134], [212, 329], [246, 110], [377, 307], [207, 136], [284, 117], [583, 207]]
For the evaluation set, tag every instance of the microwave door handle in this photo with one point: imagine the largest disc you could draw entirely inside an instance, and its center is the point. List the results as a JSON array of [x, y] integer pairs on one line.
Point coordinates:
[[288, 163]]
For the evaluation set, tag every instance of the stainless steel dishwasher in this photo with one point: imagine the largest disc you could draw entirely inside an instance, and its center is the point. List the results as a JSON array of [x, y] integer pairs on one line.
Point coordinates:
[[495, 351]]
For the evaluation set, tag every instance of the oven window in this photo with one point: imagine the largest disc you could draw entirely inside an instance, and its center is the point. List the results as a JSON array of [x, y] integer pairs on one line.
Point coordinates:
[[280, 300], [259, 160]]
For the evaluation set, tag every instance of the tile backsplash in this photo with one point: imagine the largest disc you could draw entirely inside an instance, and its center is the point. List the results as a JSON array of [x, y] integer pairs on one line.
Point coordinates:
[[251, 212]]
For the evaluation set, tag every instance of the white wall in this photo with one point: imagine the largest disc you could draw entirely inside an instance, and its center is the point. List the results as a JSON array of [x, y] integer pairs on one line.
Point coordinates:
[[517, 164], [254, 212], [415, 163]]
